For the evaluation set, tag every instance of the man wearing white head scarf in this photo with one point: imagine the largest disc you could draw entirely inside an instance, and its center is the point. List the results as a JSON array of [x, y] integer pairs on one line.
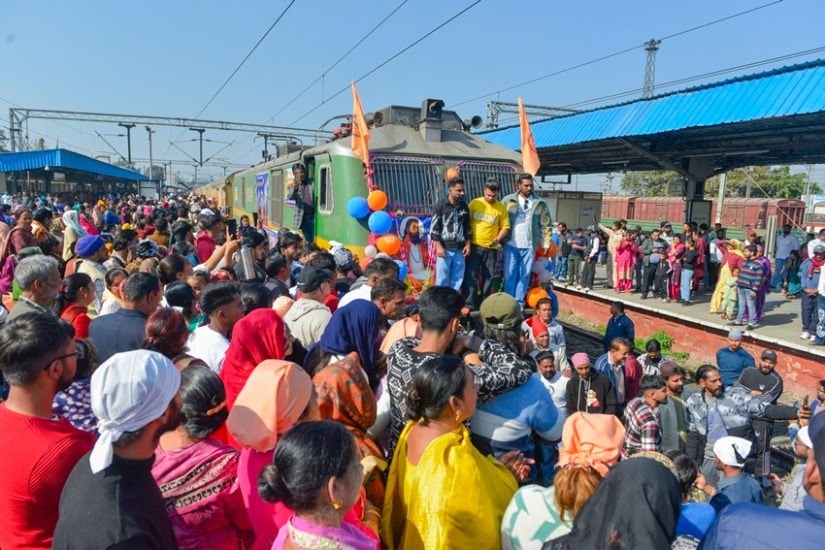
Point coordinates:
[[729, 454], [111, 498]]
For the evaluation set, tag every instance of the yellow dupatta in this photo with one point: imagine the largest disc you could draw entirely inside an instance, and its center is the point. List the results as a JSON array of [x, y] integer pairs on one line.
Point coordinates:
[[454, 497]]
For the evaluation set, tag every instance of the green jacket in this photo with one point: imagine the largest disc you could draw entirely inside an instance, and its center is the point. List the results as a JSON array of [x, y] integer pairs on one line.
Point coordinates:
[[541, 234]]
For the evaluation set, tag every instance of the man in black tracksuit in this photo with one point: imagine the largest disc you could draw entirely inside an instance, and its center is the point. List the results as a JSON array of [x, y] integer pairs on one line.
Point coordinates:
[[764, 384]]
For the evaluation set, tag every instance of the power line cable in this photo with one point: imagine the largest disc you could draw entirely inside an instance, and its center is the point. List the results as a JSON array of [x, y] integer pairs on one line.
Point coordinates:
[[248, 55], [615, 54], [388, 60], [326, 71]]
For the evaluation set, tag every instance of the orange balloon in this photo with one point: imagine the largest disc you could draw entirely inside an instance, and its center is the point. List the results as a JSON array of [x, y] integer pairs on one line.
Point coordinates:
[[534, 295], [389, 244], [547, 252], [452, 172], [365, 262], [377, 200]]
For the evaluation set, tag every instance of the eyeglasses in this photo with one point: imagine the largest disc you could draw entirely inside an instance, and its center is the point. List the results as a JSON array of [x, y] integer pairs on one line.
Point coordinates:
[[79, 353]]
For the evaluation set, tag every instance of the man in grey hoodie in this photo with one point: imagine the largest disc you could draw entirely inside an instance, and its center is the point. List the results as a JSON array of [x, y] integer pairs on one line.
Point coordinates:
[[308, 317]]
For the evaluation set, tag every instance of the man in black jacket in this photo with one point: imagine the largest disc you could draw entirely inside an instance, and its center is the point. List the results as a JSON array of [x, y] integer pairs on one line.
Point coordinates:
[[588, 390], [450, 231], [765, 385]]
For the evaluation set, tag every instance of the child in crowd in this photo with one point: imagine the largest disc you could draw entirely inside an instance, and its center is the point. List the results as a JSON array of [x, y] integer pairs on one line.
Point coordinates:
[[730, 299], [662, 283]]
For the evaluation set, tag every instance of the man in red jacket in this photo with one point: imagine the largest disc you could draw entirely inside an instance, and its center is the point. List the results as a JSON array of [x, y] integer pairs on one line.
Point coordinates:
[[38, 356]]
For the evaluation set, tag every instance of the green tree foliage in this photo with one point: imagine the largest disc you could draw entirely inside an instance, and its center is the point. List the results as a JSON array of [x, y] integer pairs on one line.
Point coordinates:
[[764, 181], [652, 183]]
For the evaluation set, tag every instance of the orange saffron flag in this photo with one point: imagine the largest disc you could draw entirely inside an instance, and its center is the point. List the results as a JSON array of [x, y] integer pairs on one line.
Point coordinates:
[[360, 130], [529, 154]]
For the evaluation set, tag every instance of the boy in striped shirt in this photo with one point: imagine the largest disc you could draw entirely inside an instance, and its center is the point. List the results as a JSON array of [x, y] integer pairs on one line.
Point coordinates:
[[750, 278]]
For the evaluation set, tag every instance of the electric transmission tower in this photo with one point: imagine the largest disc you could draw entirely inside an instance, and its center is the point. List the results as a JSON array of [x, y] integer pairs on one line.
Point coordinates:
[[651, 47]]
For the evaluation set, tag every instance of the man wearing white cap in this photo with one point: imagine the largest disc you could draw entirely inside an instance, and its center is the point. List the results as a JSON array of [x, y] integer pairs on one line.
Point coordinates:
[[757, 527], [111, 498], [729, 453]]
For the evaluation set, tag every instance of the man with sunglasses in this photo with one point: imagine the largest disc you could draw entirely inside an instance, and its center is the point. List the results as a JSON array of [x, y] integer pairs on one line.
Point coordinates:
[[38, 356], [529, 230]]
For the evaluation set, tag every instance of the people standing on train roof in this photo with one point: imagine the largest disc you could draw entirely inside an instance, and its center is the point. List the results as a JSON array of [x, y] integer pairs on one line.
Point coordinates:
[[450, 231], [786, 243], [529, 230], [591, 255], [304, 197], [489, 226], [733, 359], [618, 326]]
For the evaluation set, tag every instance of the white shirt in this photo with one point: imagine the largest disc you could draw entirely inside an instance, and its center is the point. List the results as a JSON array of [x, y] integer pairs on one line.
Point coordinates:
[[521, 227], [209, 346], [363, 292], [785, 244], [594, 249], [557, 386], [716, 254]]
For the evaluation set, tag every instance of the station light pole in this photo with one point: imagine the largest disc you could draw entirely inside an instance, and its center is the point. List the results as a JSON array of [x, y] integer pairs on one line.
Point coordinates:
[[150, 132], [128, 127]]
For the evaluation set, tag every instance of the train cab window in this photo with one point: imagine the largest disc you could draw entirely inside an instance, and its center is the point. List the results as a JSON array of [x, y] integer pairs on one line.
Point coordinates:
[[326, 202]]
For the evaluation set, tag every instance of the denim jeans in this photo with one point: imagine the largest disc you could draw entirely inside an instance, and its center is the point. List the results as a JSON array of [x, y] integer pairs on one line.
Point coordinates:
[[746, 303], [449, 270], [820, 320], [518, 266], [308, 229], [687, 276], [561, 267], [808, 314]]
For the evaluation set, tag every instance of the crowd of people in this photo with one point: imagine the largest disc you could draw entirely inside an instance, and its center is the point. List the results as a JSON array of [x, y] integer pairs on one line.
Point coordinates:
[[170, 384]]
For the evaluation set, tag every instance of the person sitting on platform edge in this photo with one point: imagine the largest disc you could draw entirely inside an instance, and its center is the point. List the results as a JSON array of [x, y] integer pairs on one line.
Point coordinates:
[[732, 360]]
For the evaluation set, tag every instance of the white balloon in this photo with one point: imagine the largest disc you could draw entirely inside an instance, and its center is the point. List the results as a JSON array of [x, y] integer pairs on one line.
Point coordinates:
[[539, 265], [370, 251], [545, 276]]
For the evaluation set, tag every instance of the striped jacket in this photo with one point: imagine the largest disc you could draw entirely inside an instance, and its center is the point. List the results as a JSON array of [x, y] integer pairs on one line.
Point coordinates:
[[750, 276]]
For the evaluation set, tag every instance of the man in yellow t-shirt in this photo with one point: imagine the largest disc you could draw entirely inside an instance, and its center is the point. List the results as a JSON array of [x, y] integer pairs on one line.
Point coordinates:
[[489, 226]]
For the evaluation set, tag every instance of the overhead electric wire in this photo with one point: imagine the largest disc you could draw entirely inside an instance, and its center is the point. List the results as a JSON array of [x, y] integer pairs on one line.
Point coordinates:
[[614, 54], [238, 68], [248, 55], [328, 69], [388, 60]]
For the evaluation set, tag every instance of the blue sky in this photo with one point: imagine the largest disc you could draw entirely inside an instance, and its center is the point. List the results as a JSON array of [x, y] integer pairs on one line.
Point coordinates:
[[169, 58]]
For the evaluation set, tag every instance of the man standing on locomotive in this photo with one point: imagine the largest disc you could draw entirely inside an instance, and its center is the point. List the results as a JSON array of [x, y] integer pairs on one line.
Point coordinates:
[[304, 197], [530, 230]]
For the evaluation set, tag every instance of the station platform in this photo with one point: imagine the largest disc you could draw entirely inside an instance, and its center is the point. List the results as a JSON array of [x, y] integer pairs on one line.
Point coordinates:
[[699, 333]]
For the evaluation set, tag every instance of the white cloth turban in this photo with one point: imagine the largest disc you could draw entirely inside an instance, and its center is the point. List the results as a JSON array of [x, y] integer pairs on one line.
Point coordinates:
[[732, 450], [129, 391]]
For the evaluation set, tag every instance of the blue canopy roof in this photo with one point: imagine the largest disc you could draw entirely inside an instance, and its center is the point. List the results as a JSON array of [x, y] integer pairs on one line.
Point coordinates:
[[780, 101], [68, 160]]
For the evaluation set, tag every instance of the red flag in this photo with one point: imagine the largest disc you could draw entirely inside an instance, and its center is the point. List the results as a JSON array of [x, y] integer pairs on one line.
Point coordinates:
[[360, 130], [529, 155]]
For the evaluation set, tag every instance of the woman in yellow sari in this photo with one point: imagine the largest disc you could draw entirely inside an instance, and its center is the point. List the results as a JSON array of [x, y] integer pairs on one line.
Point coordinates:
[[732, 251], [442, 492]]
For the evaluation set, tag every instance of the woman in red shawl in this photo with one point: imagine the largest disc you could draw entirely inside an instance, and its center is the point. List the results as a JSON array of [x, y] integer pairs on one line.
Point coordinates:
[[257, 337]]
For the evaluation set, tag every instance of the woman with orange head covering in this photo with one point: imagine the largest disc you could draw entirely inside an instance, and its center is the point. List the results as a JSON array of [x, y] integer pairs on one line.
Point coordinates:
[[591, 444], [275, 396]]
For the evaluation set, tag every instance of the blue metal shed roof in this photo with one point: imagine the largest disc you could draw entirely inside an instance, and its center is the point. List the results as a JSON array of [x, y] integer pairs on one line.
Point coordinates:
[[61, 158], [788, 91]]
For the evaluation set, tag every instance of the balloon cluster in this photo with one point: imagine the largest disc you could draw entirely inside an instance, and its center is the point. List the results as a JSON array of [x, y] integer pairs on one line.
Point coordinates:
[[379, 221]]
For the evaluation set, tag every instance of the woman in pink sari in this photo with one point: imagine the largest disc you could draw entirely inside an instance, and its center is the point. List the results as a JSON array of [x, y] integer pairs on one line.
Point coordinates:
[[674, 256], [626, 256]]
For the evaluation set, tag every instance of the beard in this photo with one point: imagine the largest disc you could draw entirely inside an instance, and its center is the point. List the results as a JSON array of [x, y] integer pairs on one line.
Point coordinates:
[[719, 392]]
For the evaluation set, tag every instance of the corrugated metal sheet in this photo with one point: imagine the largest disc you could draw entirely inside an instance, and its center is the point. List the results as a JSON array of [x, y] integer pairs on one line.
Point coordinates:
[[61, 158], [799, 89]]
